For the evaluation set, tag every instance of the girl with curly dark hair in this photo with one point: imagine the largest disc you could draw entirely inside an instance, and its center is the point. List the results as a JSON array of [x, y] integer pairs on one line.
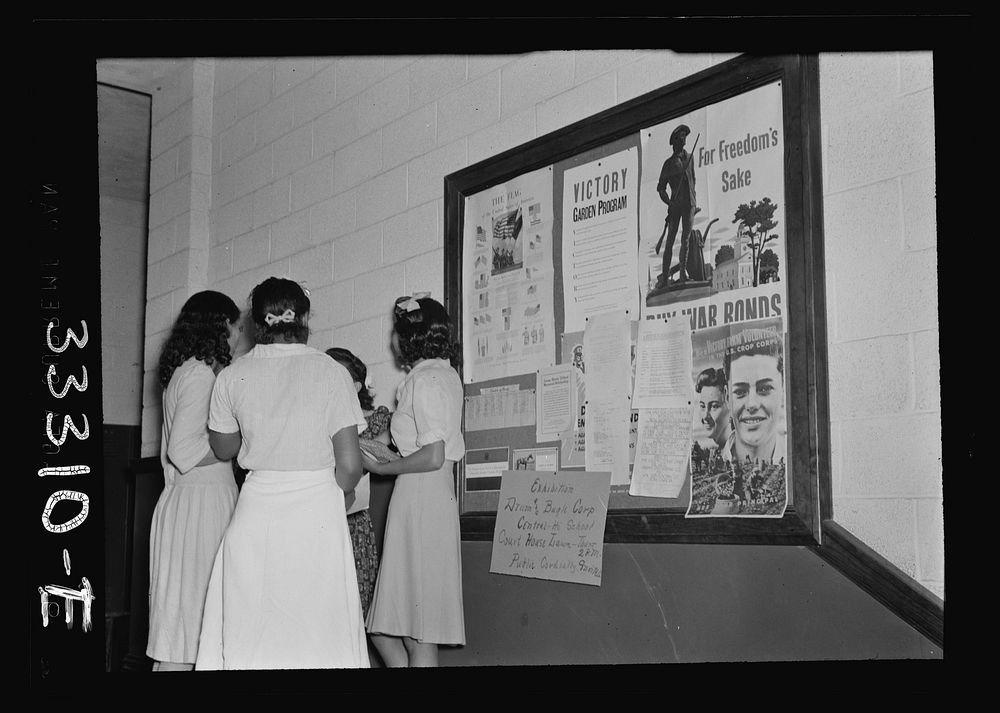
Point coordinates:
[[283, 591], [207, 329], [418, 595], [199, 491]]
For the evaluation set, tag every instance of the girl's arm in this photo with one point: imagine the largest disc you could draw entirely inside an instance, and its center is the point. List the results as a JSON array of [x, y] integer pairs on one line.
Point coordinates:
[[210, 457], [347, 454], [225, 445], [429, 458]]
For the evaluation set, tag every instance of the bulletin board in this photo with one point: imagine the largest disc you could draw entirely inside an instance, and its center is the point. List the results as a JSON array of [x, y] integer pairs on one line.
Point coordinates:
[[705, 396]]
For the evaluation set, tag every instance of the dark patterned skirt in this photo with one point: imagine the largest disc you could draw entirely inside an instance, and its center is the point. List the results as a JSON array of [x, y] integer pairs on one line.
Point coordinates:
[[365, 555]]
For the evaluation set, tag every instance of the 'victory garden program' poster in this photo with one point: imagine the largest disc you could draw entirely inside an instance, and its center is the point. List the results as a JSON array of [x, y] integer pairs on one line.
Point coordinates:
[[599, 238], [508, 326]]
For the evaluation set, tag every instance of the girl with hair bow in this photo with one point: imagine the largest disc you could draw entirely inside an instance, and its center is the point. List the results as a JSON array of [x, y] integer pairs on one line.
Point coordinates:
[[284, 591], [417, 604]]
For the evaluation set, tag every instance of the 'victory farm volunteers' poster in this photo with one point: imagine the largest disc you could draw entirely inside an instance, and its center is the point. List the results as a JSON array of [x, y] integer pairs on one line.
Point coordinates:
[[507, 276], [739, 428], [599, 238]]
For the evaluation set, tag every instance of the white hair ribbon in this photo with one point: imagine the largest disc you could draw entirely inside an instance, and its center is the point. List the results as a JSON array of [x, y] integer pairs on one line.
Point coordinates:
[[287, 316], [412, 304]]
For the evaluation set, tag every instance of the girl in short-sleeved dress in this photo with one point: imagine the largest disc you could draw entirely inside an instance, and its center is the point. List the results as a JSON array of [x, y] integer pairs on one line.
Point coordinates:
[[418, 595], [199, 491], [283, 592]]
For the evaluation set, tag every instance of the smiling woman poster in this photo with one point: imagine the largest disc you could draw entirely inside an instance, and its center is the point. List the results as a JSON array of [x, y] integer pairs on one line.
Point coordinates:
[[738, 424]]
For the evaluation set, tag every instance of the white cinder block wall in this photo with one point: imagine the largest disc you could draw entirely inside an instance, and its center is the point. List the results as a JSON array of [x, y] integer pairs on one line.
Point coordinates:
[[882, 305], [330, 171]]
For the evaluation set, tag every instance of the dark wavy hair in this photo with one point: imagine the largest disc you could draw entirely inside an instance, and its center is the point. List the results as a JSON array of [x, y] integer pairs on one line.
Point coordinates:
[[358, 371], [426, 333], [201, 331], [711, 377], [274, 296]]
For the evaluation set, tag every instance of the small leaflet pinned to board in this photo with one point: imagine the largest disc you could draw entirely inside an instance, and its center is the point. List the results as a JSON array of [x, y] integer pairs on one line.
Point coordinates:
[[496, 409], [536, 459], [556, 407], [607, 343], [662, 453], [663, 365], [484, 467], [550, 525]]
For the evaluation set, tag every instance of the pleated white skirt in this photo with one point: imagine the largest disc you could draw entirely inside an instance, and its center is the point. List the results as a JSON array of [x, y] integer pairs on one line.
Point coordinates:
[[190, 518]]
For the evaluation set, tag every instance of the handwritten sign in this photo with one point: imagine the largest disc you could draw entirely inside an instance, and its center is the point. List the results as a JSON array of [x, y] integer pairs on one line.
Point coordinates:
[[550, 525]]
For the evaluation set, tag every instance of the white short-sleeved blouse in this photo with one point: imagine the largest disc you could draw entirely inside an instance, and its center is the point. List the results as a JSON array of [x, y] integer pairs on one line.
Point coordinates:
[[287, 401], [429, 408], [185, 438]]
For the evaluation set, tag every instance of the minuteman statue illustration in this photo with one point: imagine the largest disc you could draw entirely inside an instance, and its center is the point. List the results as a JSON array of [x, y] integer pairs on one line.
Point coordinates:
[[677, 174]]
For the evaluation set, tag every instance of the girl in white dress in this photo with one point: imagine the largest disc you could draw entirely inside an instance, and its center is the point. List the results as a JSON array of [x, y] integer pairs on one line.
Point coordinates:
[[283, 592], [199, 492], [418, 595]]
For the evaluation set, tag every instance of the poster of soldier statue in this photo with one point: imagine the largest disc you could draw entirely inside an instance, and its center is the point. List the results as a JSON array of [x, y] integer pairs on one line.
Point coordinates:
[[712, 197]]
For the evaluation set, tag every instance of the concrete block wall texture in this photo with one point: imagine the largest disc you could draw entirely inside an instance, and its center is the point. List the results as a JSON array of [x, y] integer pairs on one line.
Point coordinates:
[[330, 170], [179, 223], [882, 305]]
